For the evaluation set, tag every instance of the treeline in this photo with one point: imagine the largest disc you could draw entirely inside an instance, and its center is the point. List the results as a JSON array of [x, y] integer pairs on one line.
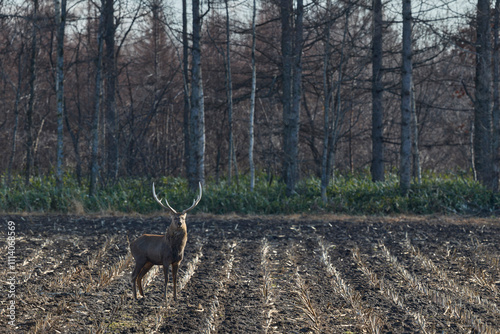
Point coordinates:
[[220, 89]]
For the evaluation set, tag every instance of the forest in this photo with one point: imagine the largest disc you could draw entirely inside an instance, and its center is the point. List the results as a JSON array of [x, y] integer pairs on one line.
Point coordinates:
[[111, 89]]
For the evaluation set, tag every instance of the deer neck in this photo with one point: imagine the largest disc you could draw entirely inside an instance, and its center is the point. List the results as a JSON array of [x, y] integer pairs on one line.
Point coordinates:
[[176, 238], [175, 234]]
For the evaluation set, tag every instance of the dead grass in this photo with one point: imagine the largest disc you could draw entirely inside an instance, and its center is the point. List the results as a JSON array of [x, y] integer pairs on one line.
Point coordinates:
[[454, 308], [305, 304], [267, 285], [373, 322], [215, 310]]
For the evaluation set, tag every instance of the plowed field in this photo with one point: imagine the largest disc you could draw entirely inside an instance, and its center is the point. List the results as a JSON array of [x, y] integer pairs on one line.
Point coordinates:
[[257, 275]]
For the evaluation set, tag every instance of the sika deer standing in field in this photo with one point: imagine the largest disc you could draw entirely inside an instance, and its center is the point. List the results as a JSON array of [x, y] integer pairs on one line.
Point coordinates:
[[168, 249]]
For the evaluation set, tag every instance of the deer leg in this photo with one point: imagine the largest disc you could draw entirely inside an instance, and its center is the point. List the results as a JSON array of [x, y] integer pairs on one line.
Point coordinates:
[[139, 264], [165, 272], [143, 272], [175, 268]]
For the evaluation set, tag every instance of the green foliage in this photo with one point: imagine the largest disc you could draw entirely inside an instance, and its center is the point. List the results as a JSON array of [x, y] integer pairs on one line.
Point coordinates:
[[457, 194]]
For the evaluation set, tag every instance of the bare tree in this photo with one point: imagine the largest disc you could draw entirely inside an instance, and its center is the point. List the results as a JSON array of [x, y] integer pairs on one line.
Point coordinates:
[[229, 93], [296, 91], [60, 15], [77, 101], [482, 100], [326, 105], [291, 52], [496, 96], [17, 87], [110, 91], [196, 172], [94, 163], [417, 170], [377, 166], [333, 116], [339, 110], [405, 164], [185, 80], [251, 132], [32, 84], [286, 74]]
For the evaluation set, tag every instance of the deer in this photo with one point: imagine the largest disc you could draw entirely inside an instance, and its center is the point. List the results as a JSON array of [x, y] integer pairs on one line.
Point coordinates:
[[163, 249]]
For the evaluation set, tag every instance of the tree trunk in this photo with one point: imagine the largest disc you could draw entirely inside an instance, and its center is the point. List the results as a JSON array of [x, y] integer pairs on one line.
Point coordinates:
[[286, 72], [482, 110], [327, 93], [472, 153], [197, 117], [185, 80], [297, 88], [94, 155], [60, 14], [291, 52], [296, 94], [31, 102], [405, 167], [338, 117], [16, 115], [332, 128], [251, 134], [417, 170], [75, 132], [377, 167], [229, 92], [496, 97], [110, 96]]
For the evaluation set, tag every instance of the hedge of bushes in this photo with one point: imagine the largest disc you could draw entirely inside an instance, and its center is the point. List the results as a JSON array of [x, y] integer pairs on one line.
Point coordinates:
[[443, 194]]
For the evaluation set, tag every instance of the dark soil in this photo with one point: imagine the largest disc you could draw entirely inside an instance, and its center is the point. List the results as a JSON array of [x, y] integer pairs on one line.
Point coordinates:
[[257, 275]]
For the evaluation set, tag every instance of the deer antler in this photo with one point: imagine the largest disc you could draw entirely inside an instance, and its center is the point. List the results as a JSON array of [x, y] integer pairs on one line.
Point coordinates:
[[159, 201], [195, 202]]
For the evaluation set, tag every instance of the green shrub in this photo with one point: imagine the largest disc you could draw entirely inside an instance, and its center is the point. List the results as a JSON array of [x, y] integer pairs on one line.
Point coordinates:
[[349, 194]]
